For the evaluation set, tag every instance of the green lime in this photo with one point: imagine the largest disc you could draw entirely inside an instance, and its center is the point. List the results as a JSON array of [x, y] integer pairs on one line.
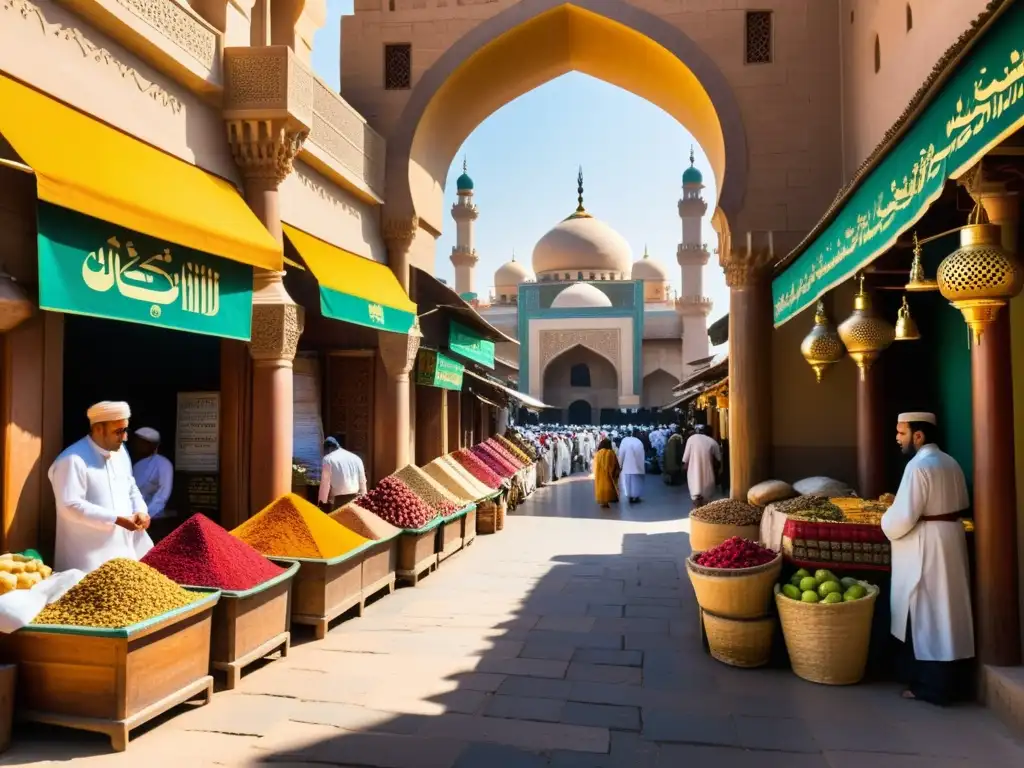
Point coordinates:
[[791, 592], [808, 584], [828, 588], [810, 596]]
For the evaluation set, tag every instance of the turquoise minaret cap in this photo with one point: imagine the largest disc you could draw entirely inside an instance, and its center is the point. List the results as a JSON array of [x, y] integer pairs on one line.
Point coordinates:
[[691, 175], [464, 183]]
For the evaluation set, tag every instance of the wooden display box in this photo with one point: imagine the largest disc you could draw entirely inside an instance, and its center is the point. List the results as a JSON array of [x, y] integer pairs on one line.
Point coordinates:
[[469, 527], [250, 625], [380, 564], [417, 553], [112, 680], [449, 537], [322, 590]]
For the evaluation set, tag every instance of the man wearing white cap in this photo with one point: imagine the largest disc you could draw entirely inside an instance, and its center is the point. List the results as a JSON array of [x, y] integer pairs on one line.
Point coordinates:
[[931, 594], [100, 512], [154, 474]]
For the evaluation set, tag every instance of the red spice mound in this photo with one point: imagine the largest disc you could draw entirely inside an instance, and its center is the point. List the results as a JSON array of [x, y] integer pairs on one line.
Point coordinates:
[[477, 468], [395, 502], [492, 460], [202, 554], [735, 553], [505, 453]]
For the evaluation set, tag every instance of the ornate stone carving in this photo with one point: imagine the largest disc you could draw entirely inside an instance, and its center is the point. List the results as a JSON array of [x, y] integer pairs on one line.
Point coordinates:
[[398, 351], [606, 343], [179, 26], [749, 263], [398, 233], [264, 149], [344, 135], [275, 331], [37, 14]]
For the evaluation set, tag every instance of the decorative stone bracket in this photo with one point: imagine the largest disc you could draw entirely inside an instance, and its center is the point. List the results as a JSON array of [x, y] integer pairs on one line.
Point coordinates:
[[398, 351], [749, 264], [275, 332], [398, 233]]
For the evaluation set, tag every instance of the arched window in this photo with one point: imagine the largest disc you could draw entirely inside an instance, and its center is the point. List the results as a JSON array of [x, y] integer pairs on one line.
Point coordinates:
[[579, 375], [878, 54], [579, 275], [910, 17]]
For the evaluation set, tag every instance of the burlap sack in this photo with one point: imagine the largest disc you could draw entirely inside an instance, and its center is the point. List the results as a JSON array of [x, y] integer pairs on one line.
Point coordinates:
[[822, 486], [763, 494]]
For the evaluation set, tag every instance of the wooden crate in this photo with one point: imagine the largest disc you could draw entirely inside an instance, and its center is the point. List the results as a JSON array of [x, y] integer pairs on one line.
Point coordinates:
[[112, 680], [379, 566], [416, 554], [449, 538], [322, 590], [250, 625], [469, 527]]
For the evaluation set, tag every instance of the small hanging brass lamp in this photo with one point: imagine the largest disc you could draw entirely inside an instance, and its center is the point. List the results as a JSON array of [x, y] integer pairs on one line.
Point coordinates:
[[918, 283], [822, 348], [864, 334], [15, 306], [980, 276], [906, 328]]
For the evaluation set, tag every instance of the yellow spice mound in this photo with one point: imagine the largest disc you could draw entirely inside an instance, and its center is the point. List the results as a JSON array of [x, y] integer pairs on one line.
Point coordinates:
[[119, 593], [292, 527]]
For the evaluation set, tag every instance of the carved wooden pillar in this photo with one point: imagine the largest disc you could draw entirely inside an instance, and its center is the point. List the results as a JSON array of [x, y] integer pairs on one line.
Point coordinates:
[[268, 114], [748, 275], [871, 434], [398, 352], [454, 421]]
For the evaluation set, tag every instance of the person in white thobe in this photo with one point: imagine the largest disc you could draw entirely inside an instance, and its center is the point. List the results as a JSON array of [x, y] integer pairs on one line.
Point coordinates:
[[342, 475], [154, 473], [931, 593], [631, 459], [101, 514], [701, 458]]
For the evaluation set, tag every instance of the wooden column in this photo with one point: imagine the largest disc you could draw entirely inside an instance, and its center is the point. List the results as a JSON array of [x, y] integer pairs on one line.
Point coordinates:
[[454, 400], [871, 438], [431, 429], [235, 435], [750, 375]]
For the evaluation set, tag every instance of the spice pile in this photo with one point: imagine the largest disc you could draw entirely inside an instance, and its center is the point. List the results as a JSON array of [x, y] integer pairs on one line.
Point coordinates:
[[477, 468], [292, 527], [516, 439], [119, 593], [202, 554], [434, 494], [21, 572], [397, 504], [495, 445], [496, 464], [735, 553], [515, 450], [458, 482], [728, 512], [814, 509], [364, 522]]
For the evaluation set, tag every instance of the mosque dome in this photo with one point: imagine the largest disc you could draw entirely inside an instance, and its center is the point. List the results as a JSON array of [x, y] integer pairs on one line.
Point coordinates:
[[512, 273], [650, 269], [581, 296], [464, 183], [691, 175]]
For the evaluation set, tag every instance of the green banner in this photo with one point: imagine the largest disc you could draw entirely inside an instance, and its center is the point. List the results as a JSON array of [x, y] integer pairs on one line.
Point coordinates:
[[91, 267], [978, 107], [353, 309], [435, 370], [470, 344]]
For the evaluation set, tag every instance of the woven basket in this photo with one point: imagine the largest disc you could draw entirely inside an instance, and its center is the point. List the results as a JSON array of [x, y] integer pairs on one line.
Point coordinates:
[[486, 517], [739, 642], [705, 536], [502, 511], [828, 643], [735, 593]]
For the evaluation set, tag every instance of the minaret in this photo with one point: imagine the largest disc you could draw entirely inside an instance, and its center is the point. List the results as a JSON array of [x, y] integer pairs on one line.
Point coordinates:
[[464, 256], [693, 306]]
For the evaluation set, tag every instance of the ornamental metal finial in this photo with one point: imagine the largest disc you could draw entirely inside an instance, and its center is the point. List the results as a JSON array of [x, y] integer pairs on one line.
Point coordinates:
[[464, 165], [691, 156], [579, 190], [645, 250]]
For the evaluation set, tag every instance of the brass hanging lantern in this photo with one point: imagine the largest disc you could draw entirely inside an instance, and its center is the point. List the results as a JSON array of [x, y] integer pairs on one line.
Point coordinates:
[[906, 328], [822, 348], [15, 306], [864, 334], [980, 276], [918, 283]]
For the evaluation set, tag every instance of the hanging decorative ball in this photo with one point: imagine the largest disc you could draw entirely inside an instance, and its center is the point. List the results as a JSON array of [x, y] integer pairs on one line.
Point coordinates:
[[822, 348], [864, 334], [980, 276], [15, 306]]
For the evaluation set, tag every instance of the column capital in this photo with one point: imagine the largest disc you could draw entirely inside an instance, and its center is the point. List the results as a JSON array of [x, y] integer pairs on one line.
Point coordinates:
[[398, 350], [749, 263], [399, 231], [275, 333], [268, 109]]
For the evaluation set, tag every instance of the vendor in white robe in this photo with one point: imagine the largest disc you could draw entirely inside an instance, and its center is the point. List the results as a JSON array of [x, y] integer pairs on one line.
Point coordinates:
[[100, 512], [153, 472], [701, 458], [631, 459], [931, 593]]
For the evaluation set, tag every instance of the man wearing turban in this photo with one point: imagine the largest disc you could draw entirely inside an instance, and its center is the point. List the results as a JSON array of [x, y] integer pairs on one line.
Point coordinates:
[[101, 514]]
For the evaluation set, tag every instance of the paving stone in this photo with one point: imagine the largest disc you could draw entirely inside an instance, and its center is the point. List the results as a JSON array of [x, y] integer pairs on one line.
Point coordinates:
[[517, 733], [784, 734], [695, 756], [632, 626], [566, 623], [498, 756], [653, 612], [526, 708], [628, 750], [601, 611], [614, 658], [527, 667], [679, 727], [602, 673], [603, 715], [551, 651], [578, 639], [536, 687]]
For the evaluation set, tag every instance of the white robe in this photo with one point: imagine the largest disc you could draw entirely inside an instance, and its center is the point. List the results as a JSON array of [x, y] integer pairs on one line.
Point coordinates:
[[631, 456], [93, 488], [930, 575], [699, 456]]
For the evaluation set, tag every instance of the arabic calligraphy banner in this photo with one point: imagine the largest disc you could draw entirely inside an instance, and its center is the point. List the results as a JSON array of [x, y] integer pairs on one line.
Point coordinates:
[[978, 107], [91, 267], [469, 344], [435, 370]]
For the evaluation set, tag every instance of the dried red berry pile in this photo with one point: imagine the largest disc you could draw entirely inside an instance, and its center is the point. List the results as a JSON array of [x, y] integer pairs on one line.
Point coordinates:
[[395, 502], [735, 553], [505, 453], [477, 468], [493, 460], [200, 553]]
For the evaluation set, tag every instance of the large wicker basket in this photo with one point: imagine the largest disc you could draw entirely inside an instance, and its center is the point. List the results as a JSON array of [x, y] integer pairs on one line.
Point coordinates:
[[735, 593], [705, 536], [828, 643], [739, 642]]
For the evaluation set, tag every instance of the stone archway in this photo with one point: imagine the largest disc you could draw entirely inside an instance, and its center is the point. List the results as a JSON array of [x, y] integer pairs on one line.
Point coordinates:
[[535, 41], [601, 393], [657, 388], [580, 412]]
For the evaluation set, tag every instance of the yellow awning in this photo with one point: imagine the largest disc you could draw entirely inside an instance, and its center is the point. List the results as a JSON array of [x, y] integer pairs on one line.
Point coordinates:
[[87, 166], [354, 289]]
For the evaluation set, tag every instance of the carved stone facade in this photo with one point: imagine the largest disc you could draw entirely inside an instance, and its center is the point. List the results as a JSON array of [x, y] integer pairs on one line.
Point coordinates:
[[749, 263], [344, 135], [398, 351], [276, 329], [400, 232], [606, 343], [177, 25]]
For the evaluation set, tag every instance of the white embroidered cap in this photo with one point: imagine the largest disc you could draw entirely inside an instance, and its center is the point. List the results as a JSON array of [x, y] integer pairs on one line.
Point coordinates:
[[911, 416], [148, 434]]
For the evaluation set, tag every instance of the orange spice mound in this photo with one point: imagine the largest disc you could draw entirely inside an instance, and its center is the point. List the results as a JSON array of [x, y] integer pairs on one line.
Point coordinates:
[[292, 527]]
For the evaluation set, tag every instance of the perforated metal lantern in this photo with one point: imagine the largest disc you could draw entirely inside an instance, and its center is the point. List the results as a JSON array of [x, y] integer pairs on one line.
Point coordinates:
[[980, 276], [822, 348], [865, 335]]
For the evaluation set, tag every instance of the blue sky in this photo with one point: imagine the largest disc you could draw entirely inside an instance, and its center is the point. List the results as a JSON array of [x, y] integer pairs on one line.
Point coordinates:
[[524, 158]]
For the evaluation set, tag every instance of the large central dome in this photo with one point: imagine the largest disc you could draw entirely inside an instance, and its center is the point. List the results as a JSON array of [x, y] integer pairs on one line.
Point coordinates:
[[584, 244]]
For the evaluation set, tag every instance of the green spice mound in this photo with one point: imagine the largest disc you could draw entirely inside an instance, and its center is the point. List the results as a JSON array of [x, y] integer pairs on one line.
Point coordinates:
[[119, 593]]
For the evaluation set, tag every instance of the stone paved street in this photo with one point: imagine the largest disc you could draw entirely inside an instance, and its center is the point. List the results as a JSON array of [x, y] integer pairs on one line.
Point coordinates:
[[568, 640]]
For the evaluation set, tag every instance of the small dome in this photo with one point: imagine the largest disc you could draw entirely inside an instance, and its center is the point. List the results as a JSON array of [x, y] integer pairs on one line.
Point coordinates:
[[512, 273], [581, 296], [649, 269], [691, 175], [582, 244], [464, 183]]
